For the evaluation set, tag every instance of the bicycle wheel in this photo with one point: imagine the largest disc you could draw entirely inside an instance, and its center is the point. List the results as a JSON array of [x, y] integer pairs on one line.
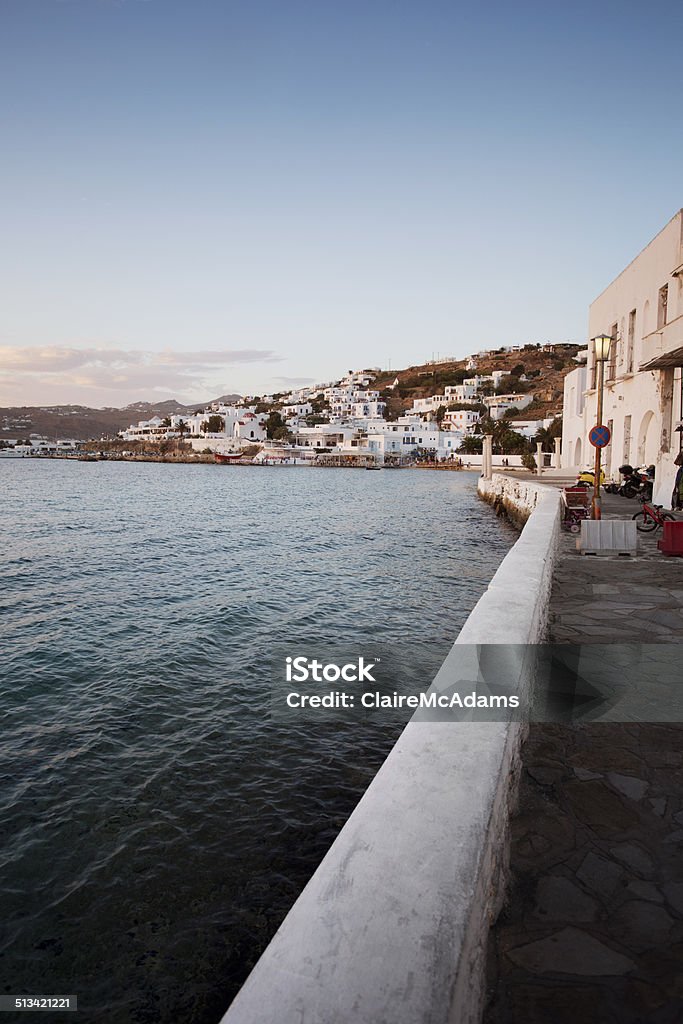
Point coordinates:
[[645, 524], [668, 517]]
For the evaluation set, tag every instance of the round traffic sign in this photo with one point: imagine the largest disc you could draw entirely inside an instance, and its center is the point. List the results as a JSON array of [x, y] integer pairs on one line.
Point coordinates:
[[599, 436]]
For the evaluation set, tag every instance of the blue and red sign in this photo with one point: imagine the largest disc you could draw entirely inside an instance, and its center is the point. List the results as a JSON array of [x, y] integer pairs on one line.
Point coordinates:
[[600, 436]]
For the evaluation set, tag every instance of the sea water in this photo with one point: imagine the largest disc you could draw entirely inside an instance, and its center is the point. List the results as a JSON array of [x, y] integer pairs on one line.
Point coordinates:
[[157, 822]]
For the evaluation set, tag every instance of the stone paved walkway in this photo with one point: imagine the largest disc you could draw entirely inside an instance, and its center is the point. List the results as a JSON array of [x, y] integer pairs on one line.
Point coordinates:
[[592, 931], [618, 598]]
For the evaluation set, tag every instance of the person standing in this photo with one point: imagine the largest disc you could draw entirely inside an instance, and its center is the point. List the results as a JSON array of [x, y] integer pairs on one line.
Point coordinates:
[[677, 494]]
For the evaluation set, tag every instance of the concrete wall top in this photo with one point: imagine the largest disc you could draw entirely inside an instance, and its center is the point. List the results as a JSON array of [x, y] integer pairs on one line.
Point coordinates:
[[392, 927]]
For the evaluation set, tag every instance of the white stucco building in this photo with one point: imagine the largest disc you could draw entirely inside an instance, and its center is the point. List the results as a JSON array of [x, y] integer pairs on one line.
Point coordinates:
[[642, 309], [297, 410], [324, 435], [498, 405], [529, 428], [463, 420], [154, 429], [469, 392], [430, 404]]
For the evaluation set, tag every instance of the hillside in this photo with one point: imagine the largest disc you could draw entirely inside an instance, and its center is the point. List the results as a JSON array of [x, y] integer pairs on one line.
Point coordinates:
[[79, 422], [544, 366]]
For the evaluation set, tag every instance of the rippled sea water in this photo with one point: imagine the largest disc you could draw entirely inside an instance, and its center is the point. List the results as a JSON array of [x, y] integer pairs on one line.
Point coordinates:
[[156, 822]]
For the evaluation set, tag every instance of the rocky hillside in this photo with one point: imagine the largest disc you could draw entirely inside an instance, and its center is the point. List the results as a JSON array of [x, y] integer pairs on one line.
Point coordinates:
[[544, 368]]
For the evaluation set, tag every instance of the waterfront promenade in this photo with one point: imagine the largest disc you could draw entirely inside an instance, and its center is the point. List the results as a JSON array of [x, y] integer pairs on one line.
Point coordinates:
[[395, 924], [592, 928]]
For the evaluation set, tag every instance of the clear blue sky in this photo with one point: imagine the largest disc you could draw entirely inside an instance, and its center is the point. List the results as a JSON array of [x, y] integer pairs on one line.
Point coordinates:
[[221, 195]]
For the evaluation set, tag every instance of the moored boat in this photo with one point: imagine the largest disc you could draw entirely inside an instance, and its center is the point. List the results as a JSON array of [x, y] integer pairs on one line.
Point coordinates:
[[227, 457]]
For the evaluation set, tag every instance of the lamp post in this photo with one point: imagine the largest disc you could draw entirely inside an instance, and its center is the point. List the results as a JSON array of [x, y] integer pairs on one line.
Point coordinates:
[[601, 347]]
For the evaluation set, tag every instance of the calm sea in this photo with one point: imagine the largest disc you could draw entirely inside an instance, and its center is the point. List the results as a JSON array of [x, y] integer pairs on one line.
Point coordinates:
[[156, 822]]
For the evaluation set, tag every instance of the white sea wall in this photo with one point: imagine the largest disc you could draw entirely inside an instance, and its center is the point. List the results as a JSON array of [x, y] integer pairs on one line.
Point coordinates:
[[516, 497], [393, 925]]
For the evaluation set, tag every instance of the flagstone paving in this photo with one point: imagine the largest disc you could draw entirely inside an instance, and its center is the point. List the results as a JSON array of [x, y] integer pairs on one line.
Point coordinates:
[[592, 930]]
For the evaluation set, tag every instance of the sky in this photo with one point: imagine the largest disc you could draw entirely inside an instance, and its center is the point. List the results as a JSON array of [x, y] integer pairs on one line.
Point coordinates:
[[201, 197]]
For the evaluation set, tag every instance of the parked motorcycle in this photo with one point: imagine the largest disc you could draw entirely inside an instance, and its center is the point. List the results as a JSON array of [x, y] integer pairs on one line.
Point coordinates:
[[636, 482]]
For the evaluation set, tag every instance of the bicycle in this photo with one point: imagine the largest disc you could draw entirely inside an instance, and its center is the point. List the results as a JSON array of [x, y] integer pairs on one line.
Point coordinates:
[[651, 517]]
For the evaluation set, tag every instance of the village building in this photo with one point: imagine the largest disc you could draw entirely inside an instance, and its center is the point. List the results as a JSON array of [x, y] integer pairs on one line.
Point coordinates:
[[498, 405], [642, 310], [462, 420]]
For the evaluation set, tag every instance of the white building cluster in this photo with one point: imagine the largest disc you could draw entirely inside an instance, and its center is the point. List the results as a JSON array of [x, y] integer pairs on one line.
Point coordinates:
[[40, 446], [642, 310], [354, 422], [355, 417], [241, 424], [343, 417]]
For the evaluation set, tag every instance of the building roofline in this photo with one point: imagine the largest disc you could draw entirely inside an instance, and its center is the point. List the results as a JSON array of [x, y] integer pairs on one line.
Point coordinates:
[[678, 214]]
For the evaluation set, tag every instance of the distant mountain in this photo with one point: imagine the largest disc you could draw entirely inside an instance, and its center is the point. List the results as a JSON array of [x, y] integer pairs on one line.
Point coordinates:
[[224, 400], [82, 423]]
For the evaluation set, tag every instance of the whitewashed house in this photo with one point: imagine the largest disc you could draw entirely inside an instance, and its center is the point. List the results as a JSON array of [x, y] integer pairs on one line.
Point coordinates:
[[297, 410], [370, 408], [249, 427], [324, 435], [460, 393], [430, 404], [148, 430], [498, 405], [529, 428], [461, 420]]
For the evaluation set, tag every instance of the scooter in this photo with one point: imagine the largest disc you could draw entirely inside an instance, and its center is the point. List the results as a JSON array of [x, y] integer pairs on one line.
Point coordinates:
[[587, 476]]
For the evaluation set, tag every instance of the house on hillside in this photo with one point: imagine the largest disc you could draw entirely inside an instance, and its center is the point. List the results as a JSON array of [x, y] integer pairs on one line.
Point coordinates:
[[498, 405]]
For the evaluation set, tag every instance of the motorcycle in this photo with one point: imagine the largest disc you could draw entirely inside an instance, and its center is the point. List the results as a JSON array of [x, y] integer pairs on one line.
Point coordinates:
[[636, 482]]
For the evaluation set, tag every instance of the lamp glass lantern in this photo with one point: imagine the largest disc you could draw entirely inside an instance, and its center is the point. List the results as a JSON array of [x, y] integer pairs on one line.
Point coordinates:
[[601, 347]]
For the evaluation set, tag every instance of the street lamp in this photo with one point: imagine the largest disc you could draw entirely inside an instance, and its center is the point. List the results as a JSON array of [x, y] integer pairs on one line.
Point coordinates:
[[601, 347]]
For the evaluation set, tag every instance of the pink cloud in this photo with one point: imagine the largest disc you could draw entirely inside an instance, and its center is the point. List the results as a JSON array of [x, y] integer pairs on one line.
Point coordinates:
[[92, 373]]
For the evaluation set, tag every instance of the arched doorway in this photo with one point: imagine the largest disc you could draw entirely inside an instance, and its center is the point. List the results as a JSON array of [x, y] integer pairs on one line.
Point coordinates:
[[647, 440], [577, 452]]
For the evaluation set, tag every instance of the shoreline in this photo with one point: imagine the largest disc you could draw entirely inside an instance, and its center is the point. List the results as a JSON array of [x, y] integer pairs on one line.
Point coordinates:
[[205, 459]]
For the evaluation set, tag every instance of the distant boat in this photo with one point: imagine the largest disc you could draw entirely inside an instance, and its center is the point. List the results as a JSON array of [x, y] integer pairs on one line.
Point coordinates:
[[373, 467], [227, 456]]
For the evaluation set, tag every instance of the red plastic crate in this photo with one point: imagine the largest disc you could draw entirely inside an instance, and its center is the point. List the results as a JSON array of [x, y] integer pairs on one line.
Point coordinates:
[[672, 539]]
